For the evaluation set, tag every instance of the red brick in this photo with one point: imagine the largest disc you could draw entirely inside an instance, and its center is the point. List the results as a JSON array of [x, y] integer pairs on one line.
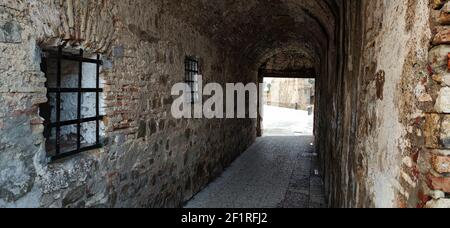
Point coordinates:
[[440, 183], [448, 63], [423, 200]]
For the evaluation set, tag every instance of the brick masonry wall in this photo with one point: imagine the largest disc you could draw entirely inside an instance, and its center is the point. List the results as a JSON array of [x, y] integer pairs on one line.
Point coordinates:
[[395, 148], [149, 158], [435, 157], [382, 133], [373, 146]]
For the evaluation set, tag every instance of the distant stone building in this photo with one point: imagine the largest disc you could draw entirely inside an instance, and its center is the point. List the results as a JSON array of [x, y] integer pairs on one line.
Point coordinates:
[[290, 93]]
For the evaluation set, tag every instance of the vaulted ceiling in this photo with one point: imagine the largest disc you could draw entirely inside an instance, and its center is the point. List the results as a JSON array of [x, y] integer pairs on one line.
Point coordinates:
[[260, 29]]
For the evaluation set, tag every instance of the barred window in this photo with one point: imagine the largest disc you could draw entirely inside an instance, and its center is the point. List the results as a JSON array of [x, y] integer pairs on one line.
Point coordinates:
[[192, 73], [72, 116]]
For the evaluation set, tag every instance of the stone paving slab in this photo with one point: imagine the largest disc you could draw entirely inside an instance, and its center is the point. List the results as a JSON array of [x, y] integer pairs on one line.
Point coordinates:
[[273, 173]]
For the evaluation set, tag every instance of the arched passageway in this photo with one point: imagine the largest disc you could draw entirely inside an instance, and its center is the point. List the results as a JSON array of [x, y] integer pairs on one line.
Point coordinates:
[[381, 131], [297, 39]]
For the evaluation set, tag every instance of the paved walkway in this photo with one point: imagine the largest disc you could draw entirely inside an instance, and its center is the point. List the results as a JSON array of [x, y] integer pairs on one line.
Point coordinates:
[[287, 122], [276, 172]]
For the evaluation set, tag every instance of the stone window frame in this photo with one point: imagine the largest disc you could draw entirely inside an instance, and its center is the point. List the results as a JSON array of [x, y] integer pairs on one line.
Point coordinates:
[[59, 54], [192, 69]]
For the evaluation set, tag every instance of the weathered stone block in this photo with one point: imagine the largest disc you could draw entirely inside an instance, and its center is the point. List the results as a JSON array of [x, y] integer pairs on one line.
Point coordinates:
[[443, 79], [443, 100], [443, 37], [153, 127], [10, 32], [73, 197], [107, 64], [118, 52], [446, 7], [437, 194], [431, 131], [441, 203], [437, 131], [441, 164], [16, 173], [437, 4], [444, 18], [438, 58], [441, 152], [446, 79], [142, 130], [445, 131], [143, 35]]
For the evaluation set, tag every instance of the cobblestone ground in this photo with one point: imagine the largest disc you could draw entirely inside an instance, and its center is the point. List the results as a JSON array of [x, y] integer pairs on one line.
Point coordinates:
[[276, 172]]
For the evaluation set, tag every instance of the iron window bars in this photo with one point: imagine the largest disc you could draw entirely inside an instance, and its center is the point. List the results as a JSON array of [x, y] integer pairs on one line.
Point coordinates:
[[59, 56], [192, 72]]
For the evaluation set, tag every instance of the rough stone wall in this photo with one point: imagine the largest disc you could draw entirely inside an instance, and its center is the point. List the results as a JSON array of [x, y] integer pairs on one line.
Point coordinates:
[[434, 156], [400, 39], [382, 100], [290, 93], [149, 158], [374, 141]]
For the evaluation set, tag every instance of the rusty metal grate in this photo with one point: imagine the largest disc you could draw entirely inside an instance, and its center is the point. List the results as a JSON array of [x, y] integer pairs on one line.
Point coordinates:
[[192, 71], [58, 56]]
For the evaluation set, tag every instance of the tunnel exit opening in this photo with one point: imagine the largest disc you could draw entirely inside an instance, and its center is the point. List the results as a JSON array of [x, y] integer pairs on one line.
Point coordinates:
[[287, 106]]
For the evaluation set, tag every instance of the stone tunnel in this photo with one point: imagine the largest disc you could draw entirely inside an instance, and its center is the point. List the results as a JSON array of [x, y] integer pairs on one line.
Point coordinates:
[[382, 129]]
